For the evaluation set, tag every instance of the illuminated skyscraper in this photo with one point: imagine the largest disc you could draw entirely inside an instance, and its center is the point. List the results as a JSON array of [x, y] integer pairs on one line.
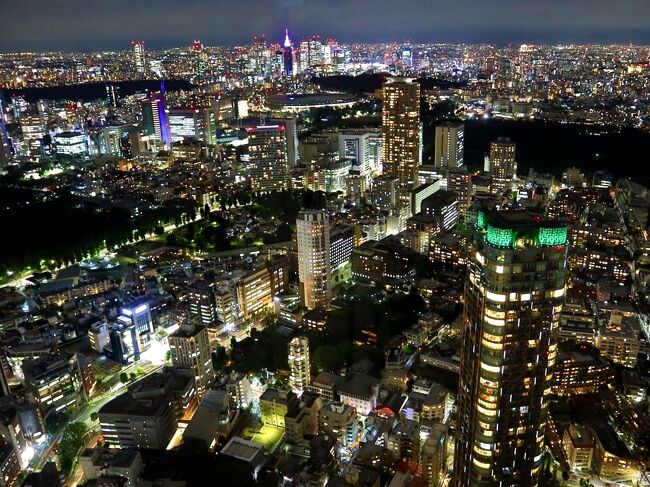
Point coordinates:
[[299, 364], [199, 60], [139, 59], [513, 298], [449, 145], [313, 236], [5, 152], [268, 166], [459, 180], [287, 55], [401, 129], [503, 167], [159, 115], [190, 347], [203, 305]]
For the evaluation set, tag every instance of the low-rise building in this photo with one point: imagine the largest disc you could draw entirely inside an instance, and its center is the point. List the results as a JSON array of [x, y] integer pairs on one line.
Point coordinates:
[[579, 447], [147, 415]]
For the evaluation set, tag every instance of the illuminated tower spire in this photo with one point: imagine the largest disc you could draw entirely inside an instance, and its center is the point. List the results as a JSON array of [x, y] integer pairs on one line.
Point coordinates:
[[287, 55]]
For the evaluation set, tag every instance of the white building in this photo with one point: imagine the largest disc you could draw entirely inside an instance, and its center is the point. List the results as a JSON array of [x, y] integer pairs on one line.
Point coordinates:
[[299, 364], [313, 235]]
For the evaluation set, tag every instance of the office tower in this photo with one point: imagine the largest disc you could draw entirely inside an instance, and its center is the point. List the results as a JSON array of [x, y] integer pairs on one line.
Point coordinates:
[[138, 314], [299, 364], [203, 305], [268, 167], [139, 59], [385, 192], [113, 95], [449, 145], [313, 235], [401, 129], [190, 347], [503, 167], [291, 133], [54, 381], [71, 144], [159, 115], [199, 60], [355, 146], [33, 131], [459, 180], [5, 152], [443, 207], [513, 298], [186, 123], [287, 55], [147, 415]]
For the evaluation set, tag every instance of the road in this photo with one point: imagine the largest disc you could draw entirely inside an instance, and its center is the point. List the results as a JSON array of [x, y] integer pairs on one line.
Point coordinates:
[[93, 405]]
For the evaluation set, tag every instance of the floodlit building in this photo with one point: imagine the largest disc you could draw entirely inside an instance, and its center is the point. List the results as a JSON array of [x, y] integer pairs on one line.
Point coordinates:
[[147, 415], [449, 145], [299, 364], [313, 237], [514, 295], [401, 130], [190, 347], [503, 166], [268, 165]]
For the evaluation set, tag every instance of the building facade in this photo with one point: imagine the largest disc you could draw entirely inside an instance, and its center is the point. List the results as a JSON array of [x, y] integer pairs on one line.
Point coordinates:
[[513, 299]]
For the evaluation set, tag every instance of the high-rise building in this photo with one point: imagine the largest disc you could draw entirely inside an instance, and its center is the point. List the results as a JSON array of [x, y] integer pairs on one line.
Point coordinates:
[[313, 235], [513, 299], [55, 382], [190, 347], [159, 114], [354, 145], [203, 305], [449, 145], [503, 167], [401, 129], [385, 192], [459, 180], [33, 130], [139, 59], [268, 166], [138, 314], [287, 55], [5, 152], [299, 364], [291, 132], [186, 123], [199, 59]]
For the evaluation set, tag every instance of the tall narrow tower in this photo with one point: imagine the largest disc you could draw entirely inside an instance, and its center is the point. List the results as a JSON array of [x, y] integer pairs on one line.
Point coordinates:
[[299, 364], [139, 59], [313, 235], [513, 298], [190, 348], [287, 55], [503, 167], [401, 129], [159, 114], [449, 145]]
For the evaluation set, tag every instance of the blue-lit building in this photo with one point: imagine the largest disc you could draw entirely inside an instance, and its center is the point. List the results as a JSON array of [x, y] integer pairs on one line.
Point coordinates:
[[159, 116], [138, 316]]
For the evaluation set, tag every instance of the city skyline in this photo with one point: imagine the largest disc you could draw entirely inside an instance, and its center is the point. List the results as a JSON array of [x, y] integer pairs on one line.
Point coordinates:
[[60, 27]]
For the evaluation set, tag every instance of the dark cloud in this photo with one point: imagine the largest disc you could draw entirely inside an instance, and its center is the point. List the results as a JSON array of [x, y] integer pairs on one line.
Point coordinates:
[[70, 24]]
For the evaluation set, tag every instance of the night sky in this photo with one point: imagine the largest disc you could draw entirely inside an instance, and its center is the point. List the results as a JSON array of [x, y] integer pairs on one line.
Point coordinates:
[[41, 25]]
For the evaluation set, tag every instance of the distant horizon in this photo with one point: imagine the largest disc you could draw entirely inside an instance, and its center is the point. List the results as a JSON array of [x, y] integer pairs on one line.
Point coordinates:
[[66, 26], [499, 45]]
